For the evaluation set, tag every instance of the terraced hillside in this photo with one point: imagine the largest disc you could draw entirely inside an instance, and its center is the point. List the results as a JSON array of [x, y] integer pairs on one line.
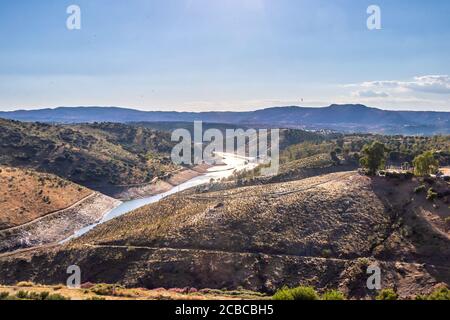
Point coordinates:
[[322, 231], [99, 156]]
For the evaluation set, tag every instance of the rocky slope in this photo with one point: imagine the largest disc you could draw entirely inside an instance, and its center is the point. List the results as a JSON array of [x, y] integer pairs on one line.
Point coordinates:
[[57, 226], [322, 231], [38, 208], [27, 195]]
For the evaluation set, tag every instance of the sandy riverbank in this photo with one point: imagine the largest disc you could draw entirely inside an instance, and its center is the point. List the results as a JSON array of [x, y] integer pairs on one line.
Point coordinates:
[[161, 185]]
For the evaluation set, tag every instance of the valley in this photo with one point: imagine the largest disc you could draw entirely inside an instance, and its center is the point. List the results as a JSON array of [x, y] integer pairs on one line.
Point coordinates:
[[117, 208]]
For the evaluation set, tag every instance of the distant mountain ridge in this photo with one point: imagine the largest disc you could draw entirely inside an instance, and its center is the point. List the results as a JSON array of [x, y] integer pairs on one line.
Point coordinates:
[[347, 118]]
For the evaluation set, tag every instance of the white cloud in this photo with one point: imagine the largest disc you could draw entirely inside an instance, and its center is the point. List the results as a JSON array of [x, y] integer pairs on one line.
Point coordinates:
[[370, 94], [433, 84]]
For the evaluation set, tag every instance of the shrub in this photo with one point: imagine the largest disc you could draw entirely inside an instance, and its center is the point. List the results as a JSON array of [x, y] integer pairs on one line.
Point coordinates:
[[4, 295], [363, 262], [298, 293], [95, 298], [56, 296], [44, 295], [25, 284], [283, 294], [442, 293], [34, 296], [420, 189], [326, 253], [431, 194], [22, 294], [333, 295], [103, 289], [387, 294]]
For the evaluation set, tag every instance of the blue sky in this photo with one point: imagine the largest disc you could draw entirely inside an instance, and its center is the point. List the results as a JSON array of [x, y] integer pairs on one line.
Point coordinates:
[[225, 54]]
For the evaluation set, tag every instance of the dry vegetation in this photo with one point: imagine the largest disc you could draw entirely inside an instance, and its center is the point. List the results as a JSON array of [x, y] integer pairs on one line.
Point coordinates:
[[318, 223], [321, 232], [27, 195], [259, 215], [99, 156], [31, 291]]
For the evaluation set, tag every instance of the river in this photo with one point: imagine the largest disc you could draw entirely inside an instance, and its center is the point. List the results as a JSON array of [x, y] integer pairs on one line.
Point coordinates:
[[232, 163]]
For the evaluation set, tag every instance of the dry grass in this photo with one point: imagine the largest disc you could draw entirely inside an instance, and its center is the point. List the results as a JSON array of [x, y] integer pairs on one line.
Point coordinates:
[[135, 293], [26, 195], [315, 230], [285, 218]]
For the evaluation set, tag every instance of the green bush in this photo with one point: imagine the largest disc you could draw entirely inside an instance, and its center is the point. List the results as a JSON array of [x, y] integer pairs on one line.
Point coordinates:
[[387, 294], [298, 293], [283, 294], [22, 294], [56, 296], [25, 295], [440, 294], [333, 295], [4, 295], [431, 194], [34, 296], [44, 295], [419, 189]]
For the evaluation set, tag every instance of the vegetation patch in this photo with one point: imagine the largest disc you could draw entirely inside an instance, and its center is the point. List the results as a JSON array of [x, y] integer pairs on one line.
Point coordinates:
[[298, 293]]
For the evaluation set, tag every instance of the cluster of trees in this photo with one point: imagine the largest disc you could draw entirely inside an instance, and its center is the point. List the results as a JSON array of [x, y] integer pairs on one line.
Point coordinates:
[[374, 158], [400, 151], [402, 148]]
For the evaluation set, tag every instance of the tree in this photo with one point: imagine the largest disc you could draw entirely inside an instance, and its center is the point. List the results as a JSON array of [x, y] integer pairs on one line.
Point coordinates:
[[425, 164], [335, 158], [374, 157]]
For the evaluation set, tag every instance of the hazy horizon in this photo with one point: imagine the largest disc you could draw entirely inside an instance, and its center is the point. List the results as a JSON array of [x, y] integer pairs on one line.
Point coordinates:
[[148, 109], [234, 55]]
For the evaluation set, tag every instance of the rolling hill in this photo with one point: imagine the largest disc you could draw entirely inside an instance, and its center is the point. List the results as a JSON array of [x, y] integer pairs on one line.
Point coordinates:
[[347, 118], [322, 231], [99, 156]]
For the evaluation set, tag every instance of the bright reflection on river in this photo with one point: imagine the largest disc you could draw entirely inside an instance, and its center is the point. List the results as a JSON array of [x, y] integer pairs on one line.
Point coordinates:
[[232, 162]]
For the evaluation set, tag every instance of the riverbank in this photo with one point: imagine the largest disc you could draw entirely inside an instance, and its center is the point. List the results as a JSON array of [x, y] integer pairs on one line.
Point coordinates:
[[98, 208], [160, 185], [204, 174]]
